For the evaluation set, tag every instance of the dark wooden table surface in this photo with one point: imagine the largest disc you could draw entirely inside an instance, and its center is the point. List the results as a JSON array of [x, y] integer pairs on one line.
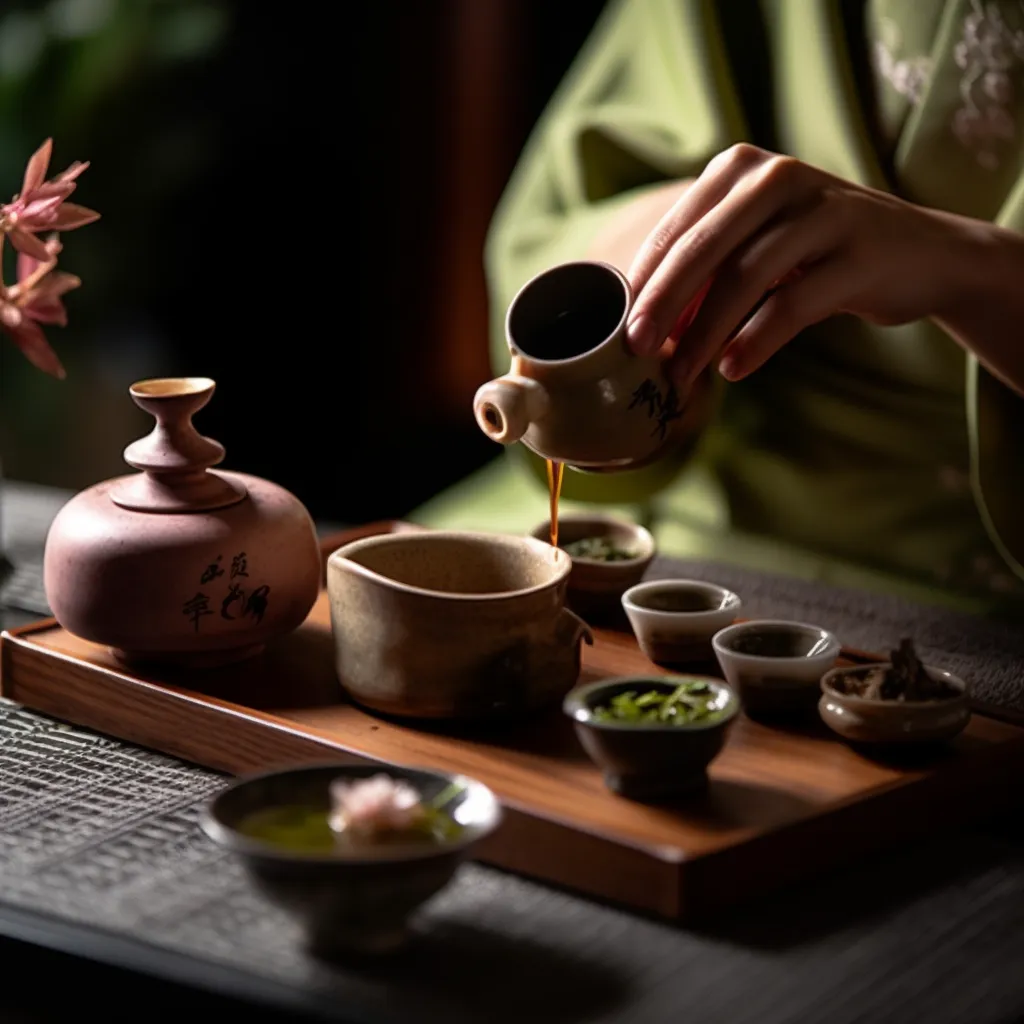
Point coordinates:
[[931, 933]]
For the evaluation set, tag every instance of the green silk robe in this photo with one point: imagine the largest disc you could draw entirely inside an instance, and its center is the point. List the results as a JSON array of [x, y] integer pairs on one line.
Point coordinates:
[[861, 455]]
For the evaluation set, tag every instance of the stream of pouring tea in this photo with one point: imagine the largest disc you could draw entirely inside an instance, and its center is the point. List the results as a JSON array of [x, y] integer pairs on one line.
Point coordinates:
[[555, 470]]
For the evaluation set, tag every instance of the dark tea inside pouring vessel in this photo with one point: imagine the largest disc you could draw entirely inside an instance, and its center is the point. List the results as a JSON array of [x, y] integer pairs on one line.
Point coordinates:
[[567, 311]]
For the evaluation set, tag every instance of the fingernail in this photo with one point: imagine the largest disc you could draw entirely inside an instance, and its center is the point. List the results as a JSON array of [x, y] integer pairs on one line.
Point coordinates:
[[641, 335], [728, 367]]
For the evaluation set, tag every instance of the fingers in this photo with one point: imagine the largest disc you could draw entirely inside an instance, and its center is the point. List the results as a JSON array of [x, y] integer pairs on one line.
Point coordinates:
[[816, 295], [700, 247], [745, 278], [710, 188]]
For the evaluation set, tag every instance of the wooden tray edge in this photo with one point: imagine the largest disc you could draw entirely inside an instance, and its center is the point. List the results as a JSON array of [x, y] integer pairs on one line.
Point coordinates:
[[21, 639], [157, 710]]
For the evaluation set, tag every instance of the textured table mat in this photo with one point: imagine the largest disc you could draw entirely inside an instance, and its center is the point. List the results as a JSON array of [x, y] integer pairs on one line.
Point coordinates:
[[96, 832]]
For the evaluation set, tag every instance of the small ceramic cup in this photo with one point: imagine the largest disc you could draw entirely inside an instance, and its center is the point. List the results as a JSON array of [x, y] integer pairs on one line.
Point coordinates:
[[893, 722], [775, 665], [650, 762], [349, 902], [575, 392], [595, 585], [674, 619], [453, 624]]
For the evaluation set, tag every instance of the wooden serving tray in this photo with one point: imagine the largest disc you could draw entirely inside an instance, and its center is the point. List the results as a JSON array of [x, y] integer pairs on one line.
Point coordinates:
[[781, 805]]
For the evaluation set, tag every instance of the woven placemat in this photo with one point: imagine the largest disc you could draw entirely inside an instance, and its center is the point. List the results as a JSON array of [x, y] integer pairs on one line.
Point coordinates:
[[100, 833]]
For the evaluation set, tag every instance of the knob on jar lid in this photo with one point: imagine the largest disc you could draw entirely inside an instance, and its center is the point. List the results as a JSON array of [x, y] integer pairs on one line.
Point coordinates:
[[174, 459]]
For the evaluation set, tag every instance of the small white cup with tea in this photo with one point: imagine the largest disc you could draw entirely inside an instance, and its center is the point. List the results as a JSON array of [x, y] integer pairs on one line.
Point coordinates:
[[674, 619], [776, 665]]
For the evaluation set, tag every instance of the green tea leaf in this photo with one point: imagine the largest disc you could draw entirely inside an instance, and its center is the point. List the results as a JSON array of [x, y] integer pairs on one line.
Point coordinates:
[[690, 701], [598, 549]]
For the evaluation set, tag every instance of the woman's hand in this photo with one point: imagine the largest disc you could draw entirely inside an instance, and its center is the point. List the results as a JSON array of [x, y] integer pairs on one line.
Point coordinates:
[[779, 245]]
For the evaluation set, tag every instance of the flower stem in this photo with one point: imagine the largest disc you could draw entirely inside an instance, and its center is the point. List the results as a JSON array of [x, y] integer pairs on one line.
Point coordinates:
[[35, 277]]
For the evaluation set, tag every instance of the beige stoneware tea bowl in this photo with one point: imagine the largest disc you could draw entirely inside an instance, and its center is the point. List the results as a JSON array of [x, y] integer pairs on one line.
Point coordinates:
[[454, 625]]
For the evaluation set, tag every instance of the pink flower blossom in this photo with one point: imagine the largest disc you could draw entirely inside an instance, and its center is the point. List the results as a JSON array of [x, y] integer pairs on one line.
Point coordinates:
[[41, 205], [367, 807], [35, 300], [37, 297]]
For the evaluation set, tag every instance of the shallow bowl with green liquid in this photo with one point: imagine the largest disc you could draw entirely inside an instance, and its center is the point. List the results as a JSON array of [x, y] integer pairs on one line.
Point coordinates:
[[350, 897]]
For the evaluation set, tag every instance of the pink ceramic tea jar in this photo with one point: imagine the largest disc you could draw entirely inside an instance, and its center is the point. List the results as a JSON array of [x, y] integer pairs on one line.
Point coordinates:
[[180, 563]]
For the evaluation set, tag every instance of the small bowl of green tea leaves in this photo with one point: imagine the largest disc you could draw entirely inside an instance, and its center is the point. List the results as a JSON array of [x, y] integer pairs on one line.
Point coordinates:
[[598, 549], [353, 851], [895, 702], [653, 737], [609, 555]]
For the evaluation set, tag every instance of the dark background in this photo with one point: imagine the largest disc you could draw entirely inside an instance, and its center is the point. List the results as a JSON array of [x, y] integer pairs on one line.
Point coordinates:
[[294, 203]]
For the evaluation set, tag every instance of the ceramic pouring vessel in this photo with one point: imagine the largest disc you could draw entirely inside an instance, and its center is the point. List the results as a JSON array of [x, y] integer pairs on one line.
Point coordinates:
[[179, 563], [453, 625], [575, 392]]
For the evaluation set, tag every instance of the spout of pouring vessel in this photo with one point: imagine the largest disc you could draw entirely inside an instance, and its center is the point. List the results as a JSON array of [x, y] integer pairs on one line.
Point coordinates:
[[506, 407]]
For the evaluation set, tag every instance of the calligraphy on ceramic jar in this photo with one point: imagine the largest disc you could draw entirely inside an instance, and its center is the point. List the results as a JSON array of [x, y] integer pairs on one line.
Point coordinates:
[[225, 590]]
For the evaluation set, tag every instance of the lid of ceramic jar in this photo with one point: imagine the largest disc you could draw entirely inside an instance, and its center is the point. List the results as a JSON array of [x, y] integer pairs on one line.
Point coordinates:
[[175, 460]]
